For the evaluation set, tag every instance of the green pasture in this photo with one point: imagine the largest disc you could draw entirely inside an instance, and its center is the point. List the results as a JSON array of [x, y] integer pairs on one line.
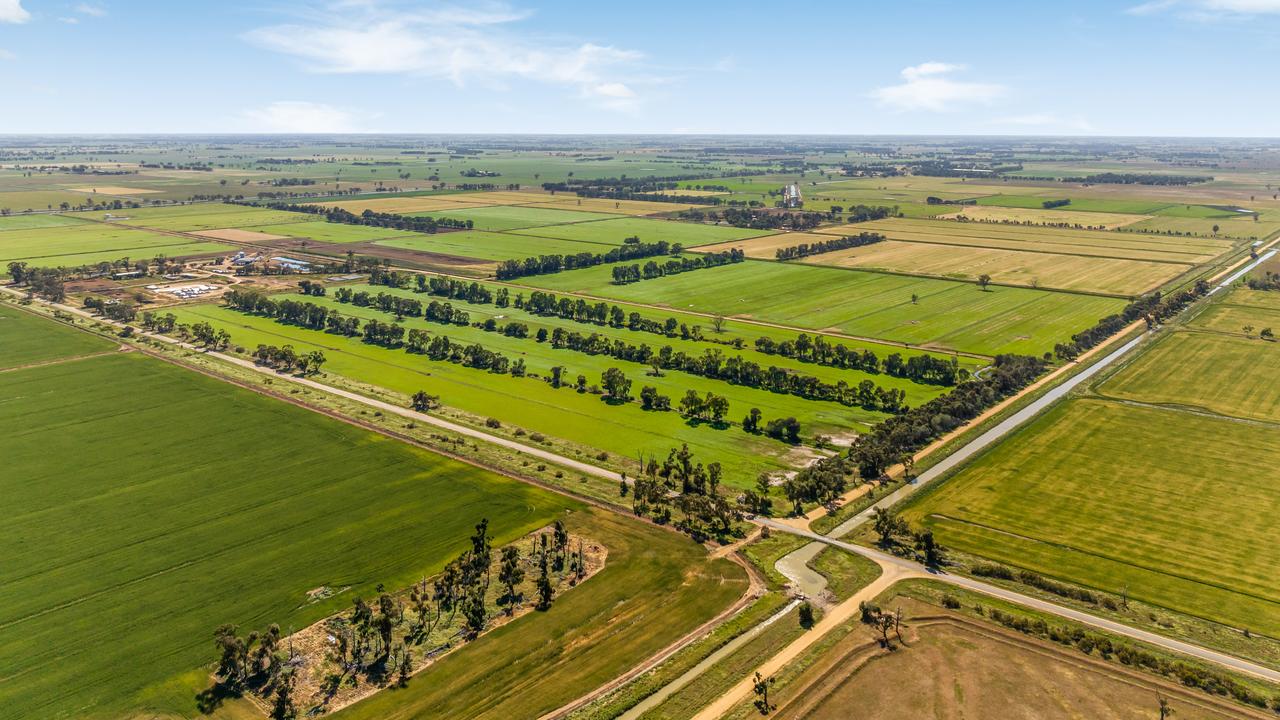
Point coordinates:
[[614, 232], [87, 243], [947, 315], [148, 504], [1174, 508], [491, 246], [511, 217], [322, 231], [27, 339], [32, 222]]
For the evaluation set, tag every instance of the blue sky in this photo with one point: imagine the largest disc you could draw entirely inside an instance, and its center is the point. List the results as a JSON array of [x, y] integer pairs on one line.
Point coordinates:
[[1166, 67]]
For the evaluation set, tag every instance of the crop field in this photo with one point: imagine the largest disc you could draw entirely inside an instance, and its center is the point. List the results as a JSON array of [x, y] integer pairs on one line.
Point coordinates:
[[30, 340], [86, 243], [1087, 204], [24, 200], [530, 403], [1233, 376], [613, 232], [484, 245], [1230, 318], [32, 222], [1095, 243], [947, 315], [322, 231], [1056, 216], [1113, 496], [417, 204], [1236, 226], [963, 262], [510, 217], [164, 545]]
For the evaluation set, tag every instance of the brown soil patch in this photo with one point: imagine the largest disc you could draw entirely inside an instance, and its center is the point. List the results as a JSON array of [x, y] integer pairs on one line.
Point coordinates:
[[238, 235], [953, 667]]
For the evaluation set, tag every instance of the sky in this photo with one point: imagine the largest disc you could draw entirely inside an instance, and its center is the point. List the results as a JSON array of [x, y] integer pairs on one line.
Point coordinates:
[[1157, 68]]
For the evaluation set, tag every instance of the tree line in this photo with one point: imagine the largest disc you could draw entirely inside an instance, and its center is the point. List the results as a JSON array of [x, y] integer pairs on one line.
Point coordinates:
[[1153, 308], [917, 368], [624, 274], [794, 252], [375, 219], [682, 485], [631, 249]]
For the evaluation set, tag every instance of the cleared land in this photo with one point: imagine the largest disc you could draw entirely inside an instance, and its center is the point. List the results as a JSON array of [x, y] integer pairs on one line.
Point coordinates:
[[492, 246], [322, 231], [106, 542], [240, 235], [1056, 216], [507, 217], [1014, 267], [31, 222], [956, 668], [439, 205], [92, 242], [1114, 496], [1227, 375], [614, 232], [1096, 243], [28, 340], [114, 190], [947, 315]]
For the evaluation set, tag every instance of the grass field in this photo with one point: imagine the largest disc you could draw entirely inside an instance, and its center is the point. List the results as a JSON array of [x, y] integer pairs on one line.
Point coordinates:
[[436, 205], [104, 541], [87, 243], [1095, 243], [613, 232], [1114, 496], [31, 222], [583, 418], [28, 339], [493, 246], [948, 315], [507, 217], [1123, 206], [322, 231], [1227, 375], [1232, 226]]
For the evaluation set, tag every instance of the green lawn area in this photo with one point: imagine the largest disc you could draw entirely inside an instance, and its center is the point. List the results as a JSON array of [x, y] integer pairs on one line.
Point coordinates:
[[1224, 374], [511, 217], [31, 222], [613, 232], [322, 231], [484, 245], [656, 587], [26, 339], [148, 504], [532, 404], [1178, 508], [948, 315], [86, 243]]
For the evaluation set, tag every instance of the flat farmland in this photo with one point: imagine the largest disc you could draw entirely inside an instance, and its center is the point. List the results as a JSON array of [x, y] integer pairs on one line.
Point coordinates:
[[32, 222], [92, 242], [439, 205], [493, 246], [1094, 243], [584, 418], [161, 546], [1228, 375], [614, 232], [1226, 317], [322, 231], [1088, 204], [29, 340], [1114, 496], [22, 200], [963, 262], [509, 217], [1056, 216], [947, 315], [1235, 226], [624, 207]]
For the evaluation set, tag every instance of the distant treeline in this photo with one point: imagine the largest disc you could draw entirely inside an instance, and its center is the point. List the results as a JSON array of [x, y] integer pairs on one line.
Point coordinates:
[[1153, 307], [631, 249], [825, 246], [375, 219], [624, 274]]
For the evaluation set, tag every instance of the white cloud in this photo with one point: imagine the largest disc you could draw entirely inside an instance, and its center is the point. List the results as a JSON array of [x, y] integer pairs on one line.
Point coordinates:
[[91, 10], [11, 11], [1208, 9], [300, 117], [460, 45], [927, 87]]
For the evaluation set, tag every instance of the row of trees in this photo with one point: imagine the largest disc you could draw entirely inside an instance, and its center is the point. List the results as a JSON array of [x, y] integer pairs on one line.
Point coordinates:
[[795, 252], [112, 309], [286, 359], [624, 274], [376, 219], [1153, 308], [917, 368], [632, 249], [1268, 281], [403, 307], [679, 484]]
